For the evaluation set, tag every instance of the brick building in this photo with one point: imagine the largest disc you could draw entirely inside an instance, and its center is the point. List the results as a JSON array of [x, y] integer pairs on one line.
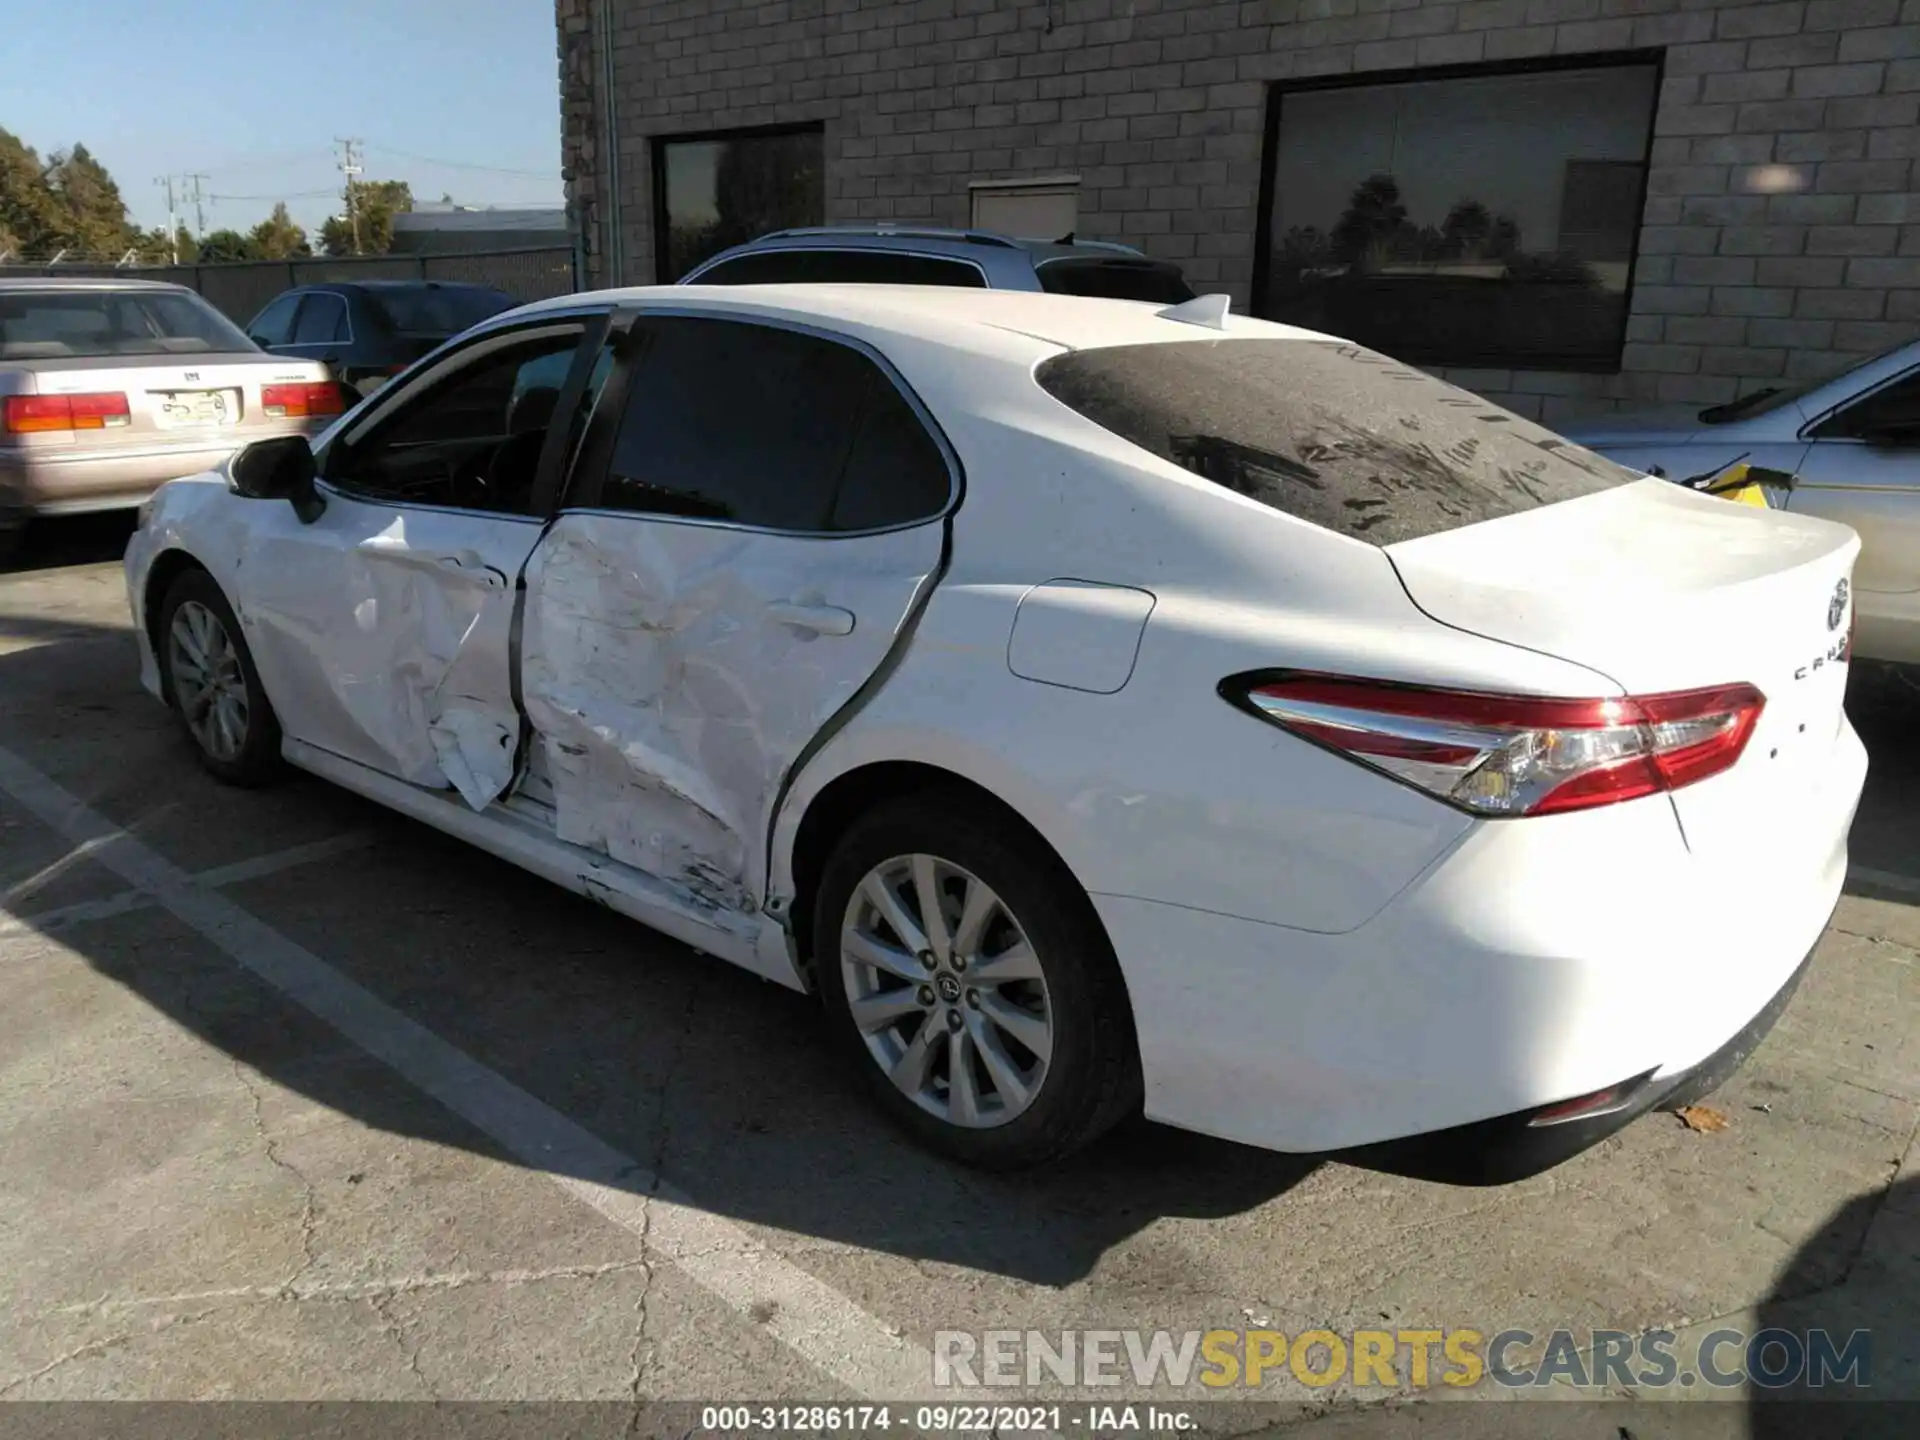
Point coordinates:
[[1565, 204]]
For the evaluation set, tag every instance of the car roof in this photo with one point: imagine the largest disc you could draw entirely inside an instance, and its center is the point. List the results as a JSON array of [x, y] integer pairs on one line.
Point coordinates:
[[28, 283], [937, 313], [340, 285]]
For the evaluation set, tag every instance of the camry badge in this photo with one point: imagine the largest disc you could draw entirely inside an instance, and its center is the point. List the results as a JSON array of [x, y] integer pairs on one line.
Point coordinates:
[[1837, 607]]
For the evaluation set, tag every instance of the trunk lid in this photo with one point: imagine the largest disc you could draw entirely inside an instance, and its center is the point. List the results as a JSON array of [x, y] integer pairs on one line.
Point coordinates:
[[1656, 588], [189, 400]]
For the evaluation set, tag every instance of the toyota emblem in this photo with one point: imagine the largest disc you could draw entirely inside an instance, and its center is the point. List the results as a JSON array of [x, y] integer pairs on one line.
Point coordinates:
[[1837, 607]]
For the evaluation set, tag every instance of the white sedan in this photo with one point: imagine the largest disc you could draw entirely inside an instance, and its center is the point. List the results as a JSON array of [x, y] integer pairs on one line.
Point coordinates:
[[1100, 707]]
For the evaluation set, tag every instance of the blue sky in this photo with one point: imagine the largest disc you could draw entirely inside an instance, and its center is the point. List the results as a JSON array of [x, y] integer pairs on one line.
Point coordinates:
[[253, 94]]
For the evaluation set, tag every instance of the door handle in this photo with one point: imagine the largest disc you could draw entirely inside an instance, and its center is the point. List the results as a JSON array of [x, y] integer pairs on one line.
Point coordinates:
[[821, 619]]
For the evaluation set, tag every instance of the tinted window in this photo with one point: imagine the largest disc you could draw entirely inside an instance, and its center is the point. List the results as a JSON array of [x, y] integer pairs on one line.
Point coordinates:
[[1891, 412], [895, 474], [40, 324], [437, 309], [1116, 280], [758, 426], [1481, 219], [273, 325], [1329, 432], [473, 440], [718, 193], [736, 422], [843, 267], [323, 320]]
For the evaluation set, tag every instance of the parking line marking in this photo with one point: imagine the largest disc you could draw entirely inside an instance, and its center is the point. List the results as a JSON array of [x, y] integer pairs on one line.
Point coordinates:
[[823, 1326], [1885, 879], [107, 907]]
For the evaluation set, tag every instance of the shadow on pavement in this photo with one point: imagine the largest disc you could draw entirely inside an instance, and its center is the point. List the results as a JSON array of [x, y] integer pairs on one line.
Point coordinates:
[[703, 1073], [73, 540]]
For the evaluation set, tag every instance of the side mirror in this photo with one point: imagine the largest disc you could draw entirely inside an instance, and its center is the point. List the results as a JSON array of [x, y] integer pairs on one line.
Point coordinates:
[[278, 469]]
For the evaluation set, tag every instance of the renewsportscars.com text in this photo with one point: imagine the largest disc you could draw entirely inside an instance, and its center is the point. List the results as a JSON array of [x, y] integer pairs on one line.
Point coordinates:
[[1391, 1359]]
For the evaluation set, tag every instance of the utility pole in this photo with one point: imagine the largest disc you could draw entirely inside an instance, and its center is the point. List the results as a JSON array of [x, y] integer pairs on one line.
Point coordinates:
[[173, 226], [350, 167], [199, 214]]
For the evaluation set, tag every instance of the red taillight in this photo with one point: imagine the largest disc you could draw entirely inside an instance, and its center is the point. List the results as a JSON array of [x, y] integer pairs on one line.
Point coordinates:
[[1514, 754], [315, 397], [28, 414]]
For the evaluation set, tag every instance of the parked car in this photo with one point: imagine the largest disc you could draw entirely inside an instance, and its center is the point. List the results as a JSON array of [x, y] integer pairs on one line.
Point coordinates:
[[1852, 446], [110, 387], [369, 331], [971, 259], [1098, 706]]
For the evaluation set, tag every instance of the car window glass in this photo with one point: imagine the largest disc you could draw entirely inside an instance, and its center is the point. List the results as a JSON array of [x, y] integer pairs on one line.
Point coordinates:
[[1328, 432], [323, 320], [274, 324], [1117, 280], [895, 474], [739, 422], [1891, 413], [54, 324], [437, 309], [770, 267], [472, 441]]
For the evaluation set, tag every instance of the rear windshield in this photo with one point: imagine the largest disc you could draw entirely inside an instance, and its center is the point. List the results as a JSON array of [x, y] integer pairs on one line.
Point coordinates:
[[1329, 432], [1157, 283], [55, 325], [437, 311]]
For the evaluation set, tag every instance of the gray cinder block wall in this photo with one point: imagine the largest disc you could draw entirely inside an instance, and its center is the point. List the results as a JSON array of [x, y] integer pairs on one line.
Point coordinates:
[[1158, 106]]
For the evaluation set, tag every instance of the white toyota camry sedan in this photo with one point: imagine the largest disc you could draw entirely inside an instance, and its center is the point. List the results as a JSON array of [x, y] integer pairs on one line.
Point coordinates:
[[1100, 707]]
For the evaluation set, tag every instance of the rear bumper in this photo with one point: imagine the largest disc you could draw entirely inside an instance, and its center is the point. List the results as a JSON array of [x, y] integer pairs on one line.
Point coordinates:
[[1511, 1147], [1534, 962], [75, 481]]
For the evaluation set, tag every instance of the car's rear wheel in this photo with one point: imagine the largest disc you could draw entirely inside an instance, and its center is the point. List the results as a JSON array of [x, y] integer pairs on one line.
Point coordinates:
[[212, 684], [967, 976]]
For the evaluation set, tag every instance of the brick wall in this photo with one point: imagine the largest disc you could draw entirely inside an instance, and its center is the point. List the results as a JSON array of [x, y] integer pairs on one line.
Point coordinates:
[[1158, 106]]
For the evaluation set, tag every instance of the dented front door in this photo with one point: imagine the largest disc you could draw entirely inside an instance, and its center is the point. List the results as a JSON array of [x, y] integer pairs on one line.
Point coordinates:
[[673, 673], [383, 631]]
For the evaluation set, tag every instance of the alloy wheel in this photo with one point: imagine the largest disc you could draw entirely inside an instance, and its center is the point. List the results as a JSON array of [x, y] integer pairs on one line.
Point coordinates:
[[946, 991], [208, 684]]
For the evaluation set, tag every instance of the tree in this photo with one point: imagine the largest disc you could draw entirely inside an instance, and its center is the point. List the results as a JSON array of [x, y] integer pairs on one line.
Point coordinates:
[[1466, 229], [278, 238], [225, 246], [31, 215], [1373, 217], [375, 203], [95, 222]]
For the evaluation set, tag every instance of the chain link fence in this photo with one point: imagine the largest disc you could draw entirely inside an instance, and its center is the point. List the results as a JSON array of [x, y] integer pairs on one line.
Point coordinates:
[[240, 289]]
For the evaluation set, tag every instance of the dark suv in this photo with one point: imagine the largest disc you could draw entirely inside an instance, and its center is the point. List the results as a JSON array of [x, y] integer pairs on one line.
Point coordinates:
[[893, 255], [369, 330]]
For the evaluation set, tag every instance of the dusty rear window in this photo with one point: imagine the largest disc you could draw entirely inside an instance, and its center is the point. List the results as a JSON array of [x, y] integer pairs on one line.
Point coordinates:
[[1327, 431]]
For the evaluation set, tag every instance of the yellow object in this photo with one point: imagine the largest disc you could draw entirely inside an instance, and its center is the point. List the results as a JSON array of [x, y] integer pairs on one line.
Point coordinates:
[[1736, 484]]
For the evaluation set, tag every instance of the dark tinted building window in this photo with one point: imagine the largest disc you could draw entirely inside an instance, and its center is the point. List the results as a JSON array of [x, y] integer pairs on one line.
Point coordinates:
[[1159, 284], [843, 267], [720, 192], [1328, 432], [758, 426], [1484, 219]]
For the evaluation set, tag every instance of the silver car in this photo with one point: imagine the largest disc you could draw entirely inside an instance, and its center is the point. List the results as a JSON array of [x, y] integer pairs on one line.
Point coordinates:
[[110, 388], [1851, 443]]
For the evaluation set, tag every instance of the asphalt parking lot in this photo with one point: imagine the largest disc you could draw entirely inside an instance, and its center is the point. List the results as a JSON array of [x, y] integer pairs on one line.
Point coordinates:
[[303, 1101]]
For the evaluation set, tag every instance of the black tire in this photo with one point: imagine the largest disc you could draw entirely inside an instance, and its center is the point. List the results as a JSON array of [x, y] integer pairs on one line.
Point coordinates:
[[257, 760], [1091, 1081], [11, 538]]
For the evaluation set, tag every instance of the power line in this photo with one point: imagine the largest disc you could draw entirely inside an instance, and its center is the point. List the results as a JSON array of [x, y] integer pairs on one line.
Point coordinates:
[[277, 195], [465, 164]]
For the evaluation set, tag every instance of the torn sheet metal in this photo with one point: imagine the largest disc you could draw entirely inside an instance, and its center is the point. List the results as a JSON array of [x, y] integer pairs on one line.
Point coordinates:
[[674, 672]]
